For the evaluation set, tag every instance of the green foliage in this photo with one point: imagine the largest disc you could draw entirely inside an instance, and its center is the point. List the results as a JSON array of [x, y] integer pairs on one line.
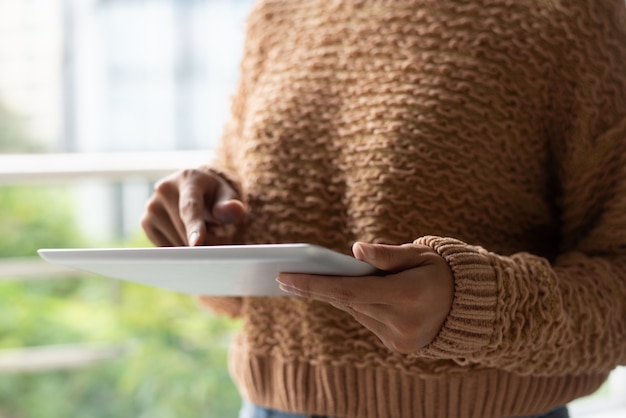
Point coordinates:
[[175, 364], [36, 217]]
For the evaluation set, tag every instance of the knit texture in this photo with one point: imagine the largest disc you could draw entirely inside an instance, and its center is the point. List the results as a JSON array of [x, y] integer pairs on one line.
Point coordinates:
[[492, 131]]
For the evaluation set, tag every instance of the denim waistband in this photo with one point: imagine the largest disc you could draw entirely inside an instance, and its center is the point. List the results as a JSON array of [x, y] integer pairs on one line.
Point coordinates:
[[250, 410]]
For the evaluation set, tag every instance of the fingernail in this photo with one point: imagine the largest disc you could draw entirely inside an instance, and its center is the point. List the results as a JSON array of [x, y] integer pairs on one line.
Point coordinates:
[[193, 238], [287, 288], [366, 250]]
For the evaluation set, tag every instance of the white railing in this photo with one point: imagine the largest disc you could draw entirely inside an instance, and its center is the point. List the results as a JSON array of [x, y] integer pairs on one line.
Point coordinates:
[[55, 357], [38, 168], [31, 268]]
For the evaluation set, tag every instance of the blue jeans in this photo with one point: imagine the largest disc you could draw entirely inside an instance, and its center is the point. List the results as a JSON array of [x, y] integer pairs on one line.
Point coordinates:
[[253, 411]]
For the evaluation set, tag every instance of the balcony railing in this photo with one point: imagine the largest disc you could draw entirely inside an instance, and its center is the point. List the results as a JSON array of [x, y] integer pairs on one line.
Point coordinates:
[[38, 168], [67, 356]]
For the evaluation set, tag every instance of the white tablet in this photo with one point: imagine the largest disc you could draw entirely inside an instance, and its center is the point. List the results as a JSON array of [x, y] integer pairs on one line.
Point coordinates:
[[232, 270]]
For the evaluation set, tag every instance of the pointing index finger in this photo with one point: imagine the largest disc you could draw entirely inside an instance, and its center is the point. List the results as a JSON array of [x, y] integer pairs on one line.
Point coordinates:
[[191, 209]]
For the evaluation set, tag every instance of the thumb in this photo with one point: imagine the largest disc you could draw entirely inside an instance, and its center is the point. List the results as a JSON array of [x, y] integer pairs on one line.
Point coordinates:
[[393, 258], [229, 211], [227, 207]]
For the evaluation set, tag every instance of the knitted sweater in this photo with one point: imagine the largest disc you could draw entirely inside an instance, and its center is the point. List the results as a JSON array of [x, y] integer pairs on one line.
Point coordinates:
[[492, 131]]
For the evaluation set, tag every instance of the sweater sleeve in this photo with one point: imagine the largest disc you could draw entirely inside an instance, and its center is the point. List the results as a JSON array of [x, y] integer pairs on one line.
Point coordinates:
[[528, 315], [521, 314]]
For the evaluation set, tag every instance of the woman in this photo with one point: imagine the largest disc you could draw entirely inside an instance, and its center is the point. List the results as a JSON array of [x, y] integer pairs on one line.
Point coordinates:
[[489, 136]]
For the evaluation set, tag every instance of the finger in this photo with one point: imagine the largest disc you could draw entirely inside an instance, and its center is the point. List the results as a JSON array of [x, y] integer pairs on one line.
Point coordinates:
[[405, 330], [225, 212], [377, 327], [164, 227], [196, 187], [162, 208], [382, 313], [155, 221], [206, 199], [393, 258], [337, 289], [194, 205], [226, 207], [170, 207], [167, 230], [158, 238], [164, 223], [355, 310], [172, 235], [191, 207], [387, 335], [228, 211], [220, 234]]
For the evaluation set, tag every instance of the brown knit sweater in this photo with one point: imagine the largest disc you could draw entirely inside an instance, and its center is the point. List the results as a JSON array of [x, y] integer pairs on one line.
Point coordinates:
[[493, 131]]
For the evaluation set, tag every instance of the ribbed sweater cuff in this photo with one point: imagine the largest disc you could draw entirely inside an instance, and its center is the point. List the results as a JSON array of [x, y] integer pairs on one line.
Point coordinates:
[[470, 324]]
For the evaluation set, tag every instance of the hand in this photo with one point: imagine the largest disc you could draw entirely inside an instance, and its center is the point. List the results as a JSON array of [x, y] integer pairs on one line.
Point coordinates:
[[192, 207], [404, 308]]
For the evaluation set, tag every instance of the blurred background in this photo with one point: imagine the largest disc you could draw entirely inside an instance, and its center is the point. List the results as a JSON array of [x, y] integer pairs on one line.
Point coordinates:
[[98, 100]]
